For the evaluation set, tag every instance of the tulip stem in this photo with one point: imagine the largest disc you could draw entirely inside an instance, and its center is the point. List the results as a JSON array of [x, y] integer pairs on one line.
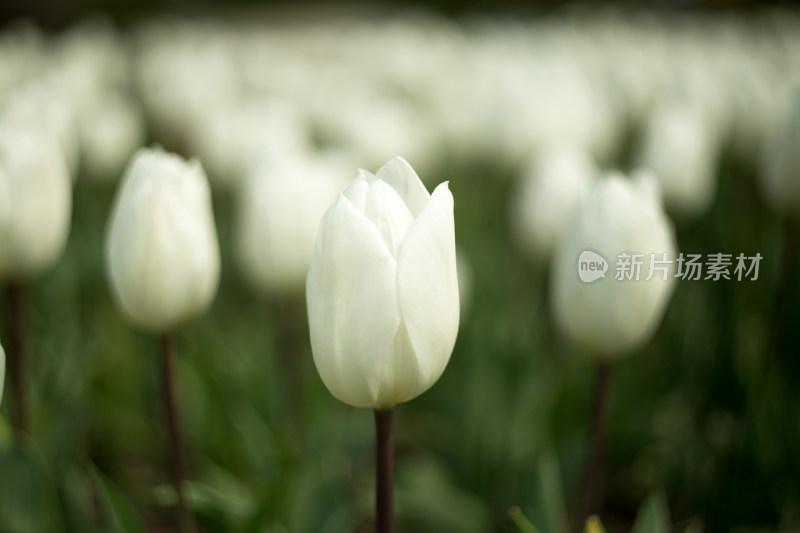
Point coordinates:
[[16, 298], [185, 517], [384, 466], [595, 459]]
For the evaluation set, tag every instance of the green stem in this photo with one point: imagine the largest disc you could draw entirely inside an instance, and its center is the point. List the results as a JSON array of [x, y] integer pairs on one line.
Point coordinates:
[[384, 466], [595, 460], [185, 517], [16, 356]]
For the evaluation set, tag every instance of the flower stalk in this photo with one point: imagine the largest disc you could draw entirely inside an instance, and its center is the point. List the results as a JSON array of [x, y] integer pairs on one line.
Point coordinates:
[[178, 451], [595, 459], [384, 471], [16, 299]]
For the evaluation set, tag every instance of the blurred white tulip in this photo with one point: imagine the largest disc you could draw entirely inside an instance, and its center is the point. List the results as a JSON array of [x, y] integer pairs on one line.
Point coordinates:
[[42, 105], [382, 290], [35, 200], [542, 204], [612, 317], [779, 178], [162, 256], [231, 139], [681, 145], [110, 132], [281, 203]]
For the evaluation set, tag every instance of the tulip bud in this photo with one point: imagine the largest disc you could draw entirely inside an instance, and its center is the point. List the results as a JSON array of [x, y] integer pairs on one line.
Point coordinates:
[[382, 290], [35, 200], [42, 105], [609, 316], [780, 164], [110, 132], [549, 192], [161, 247], [681, 146], [280, 206]]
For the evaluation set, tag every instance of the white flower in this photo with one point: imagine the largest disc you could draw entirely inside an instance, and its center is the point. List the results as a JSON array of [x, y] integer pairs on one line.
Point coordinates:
[[382, 290], [110, 132], [681, 146], [548, 193], [40, 104], [35, 200], [281, 203], [161, 248], [608, 316]]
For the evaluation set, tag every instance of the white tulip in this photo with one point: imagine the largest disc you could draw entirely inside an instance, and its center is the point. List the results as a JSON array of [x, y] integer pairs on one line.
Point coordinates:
[[608, 316], [382, 290], [161, 249], [780, 164], [110, 132], [681, 146], [35, 200], [40, 104], [551, 188], [281, 203]]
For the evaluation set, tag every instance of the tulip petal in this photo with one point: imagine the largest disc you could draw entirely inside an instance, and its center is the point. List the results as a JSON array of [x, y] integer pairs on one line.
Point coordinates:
[[356, 191], [351, 293], [402, 376], [388, 212], [399, 174], [427, 285]]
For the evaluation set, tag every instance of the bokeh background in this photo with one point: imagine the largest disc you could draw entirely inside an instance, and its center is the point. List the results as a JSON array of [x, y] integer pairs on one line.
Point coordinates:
[[704, 422]]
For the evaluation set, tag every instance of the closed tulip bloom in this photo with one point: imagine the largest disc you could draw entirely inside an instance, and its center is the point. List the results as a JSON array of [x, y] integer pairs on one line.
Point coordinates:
[[281, 203], [681, 147], [110, 131], [161, 250], [35, 201], [42, 105], [608, 316], [382, 290], [548, 193]]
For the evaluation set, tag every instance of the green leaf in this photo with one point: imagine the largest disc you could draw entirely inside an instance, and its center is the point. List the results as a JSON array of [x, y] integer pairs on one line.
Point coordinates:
[[552, 493], [521, 522], [123, 515], [28, 499], [653, 515]]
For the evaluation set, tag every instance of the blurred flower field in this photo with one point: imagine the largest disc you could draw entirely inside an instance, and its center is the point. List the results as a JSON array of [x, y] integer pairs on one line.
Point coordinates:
[[703, 420]]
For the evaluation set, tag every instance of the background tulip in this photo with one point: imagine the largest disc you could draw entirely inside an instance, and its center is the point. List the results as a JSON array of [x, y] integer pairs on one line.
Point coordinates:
[[281, 203], [681, 145], [161, 249], [382, 289], [163, 265], [611, 317], [35, 200], [110, 132], [549, 190]]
